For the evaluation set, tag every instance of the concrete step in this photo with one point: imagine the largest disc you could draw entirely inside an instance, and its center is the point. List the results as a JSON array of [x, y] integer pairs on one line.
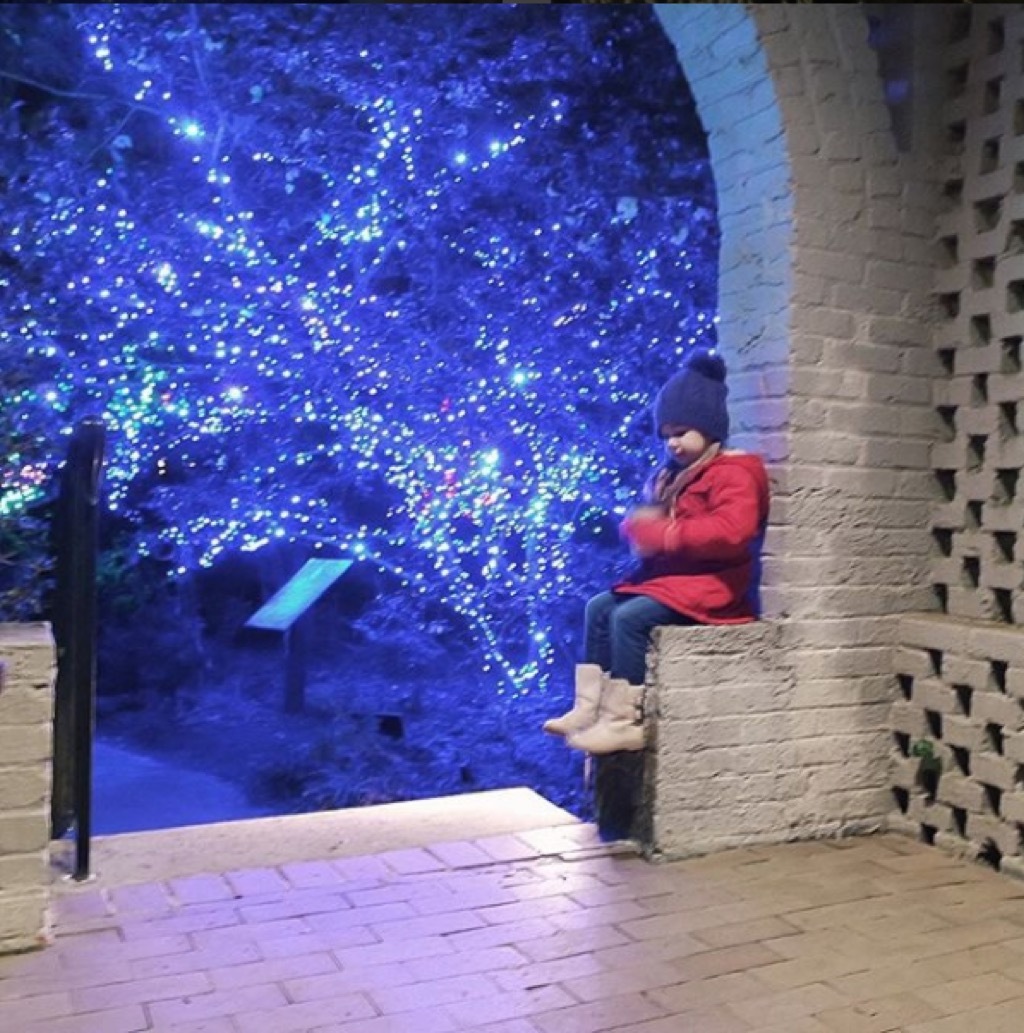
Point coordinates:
[[155, 856]]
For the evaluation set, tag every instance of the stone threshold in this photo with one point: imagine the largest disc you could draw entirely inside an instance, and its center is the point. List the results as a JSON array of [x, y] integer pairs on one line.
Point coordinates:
[[141, 857]]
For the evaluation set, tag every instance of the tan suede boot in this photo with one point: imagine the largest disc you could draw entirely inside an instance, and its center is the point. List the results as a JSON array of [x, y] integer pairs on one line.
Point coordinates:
[[620, 721], [584, 708]]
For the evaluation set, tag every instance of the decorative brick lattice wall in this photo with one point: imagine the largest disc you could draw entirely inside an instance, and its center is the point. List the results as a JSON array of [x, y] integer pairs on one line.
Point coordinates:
[[958, 737], [979, 530], [958, 727]]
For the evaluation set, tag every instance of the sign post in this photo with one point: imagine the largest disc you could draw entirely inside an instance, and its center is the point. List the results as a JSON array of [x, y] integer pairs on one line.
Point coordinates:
[[284, 612]]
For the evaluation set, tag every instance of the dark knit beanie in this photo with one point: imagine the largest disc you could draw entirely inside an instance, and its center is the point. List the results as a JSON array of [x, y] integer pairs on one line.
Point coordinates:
[[695, 397]]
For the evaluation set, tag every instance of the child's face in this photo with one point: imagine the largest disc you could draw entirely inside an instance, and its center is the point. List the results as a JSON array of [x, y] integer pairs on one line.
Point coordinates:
[[683, 444]]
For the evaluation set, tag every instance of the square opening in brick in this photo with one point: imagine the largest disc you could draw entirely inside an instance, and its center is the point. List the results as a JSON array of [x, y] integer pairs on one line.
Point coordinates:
[[956, 135], [994, 735], [960, 821], [1010, 358], [1006, 484], [927, 780], [947, 413], [979, 389], [962, 760], [995, 35], [946, 480], [1015, 296], [928, 834], [986, 214], [1008, 427], [934, 721], [901, 740], [941, 594], [952, 195], [976, 444], [906, 685], [975, 515], [947, 358], [981, 330], [1003, 600], [949, 251], [949, 305], [1006, 545], [994, 798], [971, 571], [997, 674], [901, 797], [943, 538], [993, 95], [1015, 237], [989, 156], [990, 854], [983, 273], [963, 699], [935, 662], [956, 80]]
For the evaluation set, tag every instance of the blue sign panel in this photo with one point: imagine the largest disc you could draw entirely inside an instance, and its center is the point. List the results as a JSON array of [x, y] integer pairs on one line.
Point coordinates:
[[298, 594]]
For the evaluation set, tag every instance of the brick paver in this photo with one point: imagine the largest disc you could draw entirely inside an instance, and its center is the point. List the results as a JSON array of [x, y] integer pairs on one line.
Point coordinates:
[[542, 932]]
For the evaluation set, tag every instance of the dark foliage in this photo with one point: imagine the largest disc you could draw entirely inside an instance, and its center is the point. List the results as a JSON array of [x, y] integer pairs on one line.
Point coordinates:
[[269, 244]]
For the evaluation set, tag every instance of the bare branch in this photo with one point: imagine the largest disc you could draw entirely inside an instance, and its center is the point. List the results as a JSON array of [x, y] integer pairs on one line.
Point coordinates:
[[56, 91]]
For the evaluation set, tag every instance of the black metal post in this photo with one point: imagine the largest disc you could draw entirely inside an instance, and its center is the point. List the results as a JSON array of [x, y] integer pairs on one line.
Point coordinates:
[[75, 633]]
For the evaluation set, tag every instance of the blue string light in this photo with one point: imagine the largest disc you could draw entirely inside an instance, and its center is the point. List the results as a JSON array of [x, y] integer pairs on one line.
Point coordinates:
[[270, 334]]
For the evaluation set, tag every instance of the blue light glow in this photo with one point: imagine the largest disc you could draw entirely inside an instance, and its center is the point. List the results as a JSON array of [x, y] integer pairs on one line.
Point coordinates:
[[417, 323]]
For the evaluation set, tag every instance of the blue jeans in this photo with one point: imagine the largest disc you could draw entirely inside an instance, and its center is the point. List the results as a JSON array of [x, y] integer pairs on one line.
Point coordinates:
[[618, 631]]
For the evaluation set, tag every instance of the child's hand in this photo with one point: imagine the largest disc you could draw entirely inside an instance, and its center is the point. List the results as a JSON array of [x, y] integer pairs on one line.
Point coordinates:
[[646, 513], [643, 515]]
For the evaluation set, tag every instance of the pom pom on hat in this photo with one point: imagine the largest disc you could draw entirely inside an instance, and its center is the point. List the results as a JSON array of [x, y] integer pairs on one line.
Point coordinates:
[[696, 397]]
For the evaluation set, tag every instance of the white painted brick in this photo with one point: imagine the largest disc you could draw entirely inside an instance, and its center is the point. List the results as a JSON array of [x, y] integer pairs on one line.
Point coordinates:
[[22, 832], [896, 331], [24, 920], [25, 744], [29, 706], [982, 829], [935, 815], [1013, 747], [935, 631], [933, 694], [957, 791], [962, 731], [857, 297], [24, 786], [960, 669], [20, 870], [25, 748], [843, 777], [991, 769], [995, 643]]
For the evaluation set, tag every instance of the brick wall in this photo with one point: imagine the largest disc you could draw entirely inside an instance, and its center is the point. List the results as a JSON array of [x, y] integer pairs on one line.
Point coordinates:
[[26, 710], [961, 670], [827, 266], [962, 695]]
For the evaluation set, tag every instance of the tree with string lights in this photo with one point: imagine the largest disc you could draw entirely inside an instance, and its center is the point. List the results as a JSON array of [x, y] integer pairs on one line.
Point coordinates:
[[394, 282]]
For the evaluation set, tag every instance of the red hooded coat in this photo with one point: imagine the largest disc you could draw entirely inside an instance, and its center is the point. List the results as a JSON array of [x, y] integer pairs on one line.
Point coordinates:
[[702, 558]]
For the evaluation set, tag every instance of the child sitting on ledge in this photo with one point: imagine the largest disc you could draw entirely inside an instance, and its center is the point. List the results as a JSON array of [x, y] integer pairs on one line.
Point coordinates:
[[696, 539]]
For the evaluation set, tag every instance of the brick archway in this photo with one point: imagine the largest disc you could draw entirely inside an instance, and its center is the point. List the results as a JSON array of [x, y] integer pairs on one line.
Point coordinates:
[[825, 271]]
